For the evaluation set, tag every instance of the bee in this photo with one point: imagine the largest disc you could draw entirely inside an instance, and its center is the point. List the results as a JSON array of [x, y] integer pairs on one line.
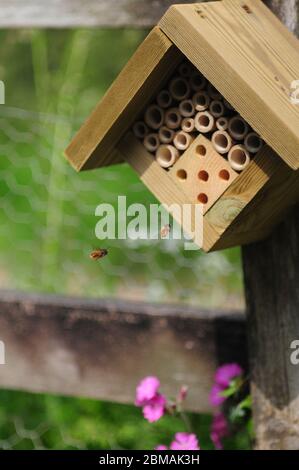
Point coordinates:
[[165, 230], [98, 254]]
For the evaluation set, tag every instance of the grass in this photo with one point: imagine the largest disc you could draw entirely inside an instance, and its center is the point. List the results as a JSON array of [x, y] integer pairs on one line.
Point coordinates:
[[53, 79]]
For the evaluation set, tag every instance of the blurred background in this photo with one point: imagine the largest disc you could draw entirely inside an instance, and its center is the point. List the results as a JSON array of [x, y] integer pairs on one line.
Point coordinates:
[[53, 80]]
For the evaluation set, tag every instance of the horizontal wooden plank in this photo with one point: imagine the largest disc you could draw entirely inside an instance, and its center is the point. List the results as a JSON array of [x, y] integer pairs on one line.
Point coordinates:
[[76, 13], [102, 348]]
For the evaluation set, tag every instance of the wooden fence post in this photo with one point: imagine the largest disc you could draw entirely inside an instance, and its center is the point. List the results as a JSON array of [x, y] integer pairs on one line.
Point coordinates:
[[271, 272]]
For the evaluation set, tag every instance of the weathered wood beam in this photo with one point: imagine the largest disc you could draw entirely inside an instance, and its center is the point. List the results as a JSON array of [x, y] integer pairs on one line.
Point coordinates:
[[271, 271], [82, 13], [102, 348]]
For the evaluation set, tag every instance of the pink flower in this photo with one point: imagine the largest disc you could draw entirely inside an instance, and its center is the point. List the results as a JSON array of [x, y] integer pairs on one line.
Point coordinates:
[[182, 393], [184, 441], [154, 409], [226, 373], [219, 430], [146, 390], [152, 402], [223, 376], [215, 397], [161, 447]]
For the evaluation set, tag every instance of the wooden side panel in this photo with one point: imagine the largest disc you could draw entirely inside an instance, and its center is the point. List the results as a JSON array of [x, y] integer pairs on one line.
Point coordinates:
[[93, 145], [239, 202], [201, 172], [250, 58]]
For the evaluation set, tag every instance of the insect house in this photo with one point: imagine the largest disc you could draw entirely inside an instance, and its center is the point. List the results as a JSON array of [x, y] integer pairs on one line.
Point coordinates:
[[203, 113]]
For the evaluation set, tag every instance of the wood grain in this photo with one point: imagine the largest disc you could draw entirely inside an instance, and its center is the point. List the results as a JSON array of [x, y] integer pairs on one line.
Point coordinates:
[[249, 58], [94, 144], [102, 348], [226, 216], [211, 163]]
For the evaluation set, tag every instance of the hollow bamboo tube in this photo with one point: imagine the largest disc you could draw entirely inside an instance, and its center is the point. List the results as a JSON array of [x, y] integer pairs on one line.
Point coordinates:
[[166, 135], [173, 118], [217, 108], [197, 81], [151, 142], [188, 125], [182, 140], [154, 116], [179, 88], [204, 122], [213, 92], [238, 157], [186, 108], [164, 99], [253, 142], [186, 69], [238, 128], [201, 100], [140, 129], [167, 155], [222, 123], [222, 142]]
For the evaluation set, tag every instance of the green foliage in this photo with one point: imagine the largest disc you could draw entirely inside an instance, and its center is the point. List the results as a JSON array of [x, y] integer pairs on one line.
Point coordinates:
[[47, 229]]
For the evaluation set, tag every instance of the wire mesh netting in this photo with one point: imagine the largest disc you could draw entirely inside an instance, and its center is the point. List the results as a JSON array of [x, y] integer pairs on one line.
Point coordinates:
[[48, 226], [47, 210]]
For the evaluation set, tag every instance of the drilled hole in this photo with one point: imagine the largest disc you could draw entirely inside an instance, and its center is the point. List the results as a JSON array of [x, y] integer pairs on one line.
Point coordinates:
[[182, 174], [224, 175], [201, 150], [202, 198], [203, 175]]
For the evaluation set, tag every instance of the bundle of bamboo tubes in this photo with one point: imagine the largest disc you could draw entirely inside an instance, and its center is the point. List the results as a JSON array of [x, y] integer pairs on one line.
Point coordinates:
[[187, 106]]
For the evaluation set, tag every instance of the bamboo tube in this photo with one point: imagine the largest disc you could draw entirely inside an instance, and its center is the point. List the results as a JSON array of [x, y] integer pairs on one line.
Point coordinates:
[[213, 92], [188, 125], [186, 108], [238, 157], [222, 123], [167, 155], [182, 140], [179, 88], [238, 128], [154, 116], [197, 81], [173, 118], [166, 135], [201, 100], [186, 69], [204, 122], [140, 129], [222, 142], [217, 108], [253, 142], [151, 142], [164, 99]]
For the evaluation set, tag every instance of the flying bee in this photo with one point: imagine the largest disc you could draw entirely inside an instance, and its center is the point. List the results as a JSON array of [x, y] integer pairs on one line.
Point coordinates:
[[165, 230], [98, 254]]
